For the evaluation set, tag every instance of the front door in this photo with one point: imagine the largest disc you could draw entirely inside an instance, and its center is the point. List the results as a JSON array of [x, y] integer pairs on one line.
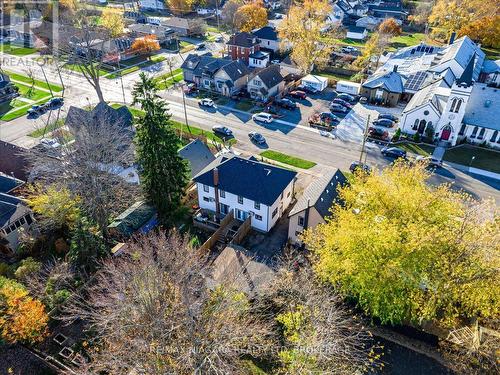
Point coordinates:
[[241, 215], [445, 134], [421, 127]]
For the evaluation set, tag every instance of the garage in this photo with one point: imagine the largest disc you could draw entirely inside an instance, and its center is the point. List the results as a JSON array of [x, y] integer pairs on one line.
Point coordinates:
[[317, 82]]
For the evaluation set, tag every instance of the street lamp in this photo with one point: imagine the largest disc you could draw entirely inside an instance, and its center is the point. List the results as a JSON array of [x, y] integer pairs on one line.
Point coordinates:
[[471, 160]]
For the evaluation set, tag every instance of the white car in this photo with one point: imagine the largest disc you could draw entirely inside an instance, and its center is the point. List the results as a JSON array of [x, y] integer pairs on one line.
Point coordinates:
[[432, 162], [206, 102], [49, 143], [263, 116]]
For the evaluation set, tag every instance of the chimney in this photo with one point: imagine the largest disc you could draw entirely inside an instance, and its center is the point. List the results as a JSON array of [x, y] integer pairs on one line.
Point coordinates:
[[216, 177], [452, 37], [395, 69]]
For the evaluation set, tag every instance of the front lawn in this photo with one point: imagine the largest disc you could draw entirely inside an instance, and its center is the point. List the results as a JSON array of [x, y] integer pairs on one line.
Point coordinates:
[[197, 131], [336, 77], [484, 158], [76, 68], [16, 50], [166, 80], [416, 148], [406, 40], [135, 68], [287, 159], [27, 80], [47, 129]]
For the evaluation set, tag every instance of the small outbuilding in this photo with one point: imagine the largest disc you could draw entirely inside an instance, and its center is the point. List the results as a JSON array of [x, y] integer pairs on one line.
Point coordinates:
[[356, 33], [316, 82]]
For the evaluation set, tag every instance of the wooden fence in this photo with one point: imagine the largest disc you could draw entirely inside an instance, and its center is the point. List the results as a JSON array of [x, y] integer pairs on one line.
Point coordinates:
[[242, 231], [215, 237]]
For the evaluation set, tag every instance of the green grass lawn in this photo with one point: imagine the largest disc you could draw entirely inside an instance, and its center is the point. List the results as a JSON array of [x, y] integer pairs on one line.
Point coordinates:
[[135, 68], [491, 53], [16, 50], [336, 77], [287, 159], [483, 158], [166, 80], [417, 148], [197, 131], [27, 80], [76, 68], [34, 95], [406, 40], [47, 129]]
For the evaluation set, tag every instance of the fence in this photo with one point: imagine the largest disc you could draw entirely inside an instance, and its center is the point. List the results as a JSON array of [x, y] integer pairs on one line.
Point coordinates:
[[242, 231], [215, 237]]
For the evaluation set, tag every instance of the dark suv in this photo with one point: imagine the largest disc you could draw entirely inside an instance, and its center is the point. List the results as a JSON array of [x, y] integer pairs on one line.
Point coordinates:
[[394, 152], [285, 103]]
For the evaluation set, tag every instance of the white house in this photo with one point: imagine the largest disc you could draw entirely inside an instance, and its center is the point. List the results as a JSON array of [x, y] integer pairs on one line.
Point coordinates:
[[248, 187], [268, 38], [258, 59], [316, 82], [267, 83], [152, 4], [356, 33]]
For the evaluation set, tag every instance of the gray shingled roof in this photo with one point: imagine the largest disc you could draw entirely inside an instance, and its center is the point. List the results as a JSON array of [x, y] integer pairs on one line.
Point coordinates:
[[236, 69], [243, 39], [8, 183], [321, 194], [198, 155], [270, 76], [266, 32], [392, 82], [102, 113], [483, 107]]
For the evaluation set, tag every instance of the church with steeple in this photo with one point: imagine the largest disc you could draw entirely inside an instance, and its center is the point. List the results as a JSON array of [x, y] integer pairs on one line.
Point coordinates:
[[444, 94]]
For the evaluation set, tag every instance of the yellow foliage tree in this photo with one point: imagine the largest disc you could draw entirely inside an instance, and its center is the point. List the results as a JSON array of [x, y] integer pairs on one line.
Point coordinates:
[[251, 16], [22, 318], [486, 30], [374, 46], [146, 45], [459, 15], [113, 22], [56, 206], [180, 6], [390, 27], [410, 252], [303, 30]]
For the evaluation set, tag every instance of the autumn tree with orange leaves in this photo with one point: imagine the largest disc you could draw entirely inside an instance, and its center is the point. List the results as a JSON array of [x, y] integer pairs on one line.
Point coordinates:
[[22, 318], [390, 27], [251, 16], [146, 45]]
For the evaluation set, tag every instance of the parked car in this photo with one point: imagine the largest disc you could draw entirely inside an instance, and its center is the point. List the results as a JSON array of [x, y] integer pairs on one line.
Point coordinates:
[[274, 62], [430, 161], [219, 39], [257, 138], [328, 117], [49, 143], [297, 94], [37, 110], [342, 102], [349, 50], [219, 129], [307, 89], [378, 133], [335, 107], [346, 97], [206, 102], [263, 116], [200, 46], [190, 88], [388, 116], [394, 152], [356, 165], [386, 123], [55, 103], [285, 103], [363, 100]]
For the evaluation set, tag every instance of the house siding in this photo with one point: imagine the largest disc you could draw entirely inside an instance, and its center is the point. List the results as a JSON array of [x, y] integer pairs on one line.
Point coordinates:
[[313, 221]]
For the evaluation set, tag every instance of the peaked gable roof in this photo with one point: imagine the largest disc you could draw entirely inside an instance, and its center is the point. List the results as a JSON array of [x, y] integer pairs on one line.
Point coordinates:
[[102, 113], [243, 39], [8, 183], [392, 82], [235, 69], [321, 194], [266, 32], [250, 179], [270, 76], [468, 73], [198, 155]]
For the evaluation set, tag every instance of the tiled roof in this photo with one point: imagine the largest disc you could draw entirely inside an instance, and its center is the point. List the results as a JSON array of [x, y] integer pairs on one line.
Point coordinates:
[[250, 179], [321, 194]]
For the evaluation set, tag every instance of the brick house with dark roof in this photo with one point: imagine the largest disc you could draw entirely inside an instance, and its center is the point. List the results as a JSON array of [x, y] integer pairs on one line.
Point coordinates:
[[241, 45]]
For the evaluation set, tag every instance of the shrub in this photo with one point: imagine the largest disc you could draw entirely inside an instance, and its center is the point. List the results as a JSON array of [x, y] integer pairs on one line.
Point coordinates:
[[416, 137], [396, 135], [6, 270], [27, 267]]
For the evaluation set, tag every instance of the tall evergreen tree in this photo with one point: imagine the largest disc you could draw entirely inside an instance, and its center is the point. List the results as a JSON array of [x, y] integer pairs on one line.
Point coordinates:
[[164, 174]]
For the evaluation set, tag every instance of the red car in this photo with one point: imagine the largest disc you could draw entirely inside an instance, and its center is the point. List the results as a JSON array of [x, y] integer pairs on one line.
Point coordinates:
[[297, 94], [377, 133]]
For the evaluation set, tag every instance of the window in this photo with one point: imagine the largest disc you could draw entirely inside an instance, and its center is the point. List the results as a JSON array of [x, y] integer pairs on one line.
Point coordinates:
[[455, 105], [29, 220], [258, 217], [426, 113], [7, 230], [17, 224], [206, 199], [224, 208], [22, 221], [462, 129], [288, 194], [12, 228], [240, 199], [415, 124], [481, 133], [474, 132], [222, 193], [301, 221], [206, 188], [257, 82], [256, 205], [494, 136], [275, 212]]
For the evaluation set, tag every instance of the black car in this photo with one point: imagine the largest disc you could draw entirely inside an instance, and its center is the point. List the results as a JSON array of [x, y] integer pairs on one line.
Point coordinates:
[[55, 103], [388, 116], [394, 152], [357, 166], [386, 123], [200, 46], [346, 97], [222, 130], [285, 103], [308, 89], [257, 138], [342, 102]]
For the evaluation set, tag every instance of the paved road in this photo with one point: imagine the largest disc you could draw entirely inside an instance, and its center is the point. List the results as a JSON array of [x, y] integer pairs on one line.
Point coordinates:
[[293, 139]]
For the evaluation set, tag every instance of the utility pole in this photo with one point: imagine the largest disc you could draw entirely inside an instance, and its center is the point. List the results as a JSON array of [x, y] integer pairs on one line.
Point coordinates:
[[185, 109], [365, 135], [217, 14], [121, 80], [46, 81]]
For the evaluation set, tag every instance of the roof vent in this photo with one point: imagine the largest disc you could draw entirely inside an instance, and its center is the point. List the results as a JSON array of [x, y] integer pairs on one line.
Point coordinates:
[[487, 103]]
